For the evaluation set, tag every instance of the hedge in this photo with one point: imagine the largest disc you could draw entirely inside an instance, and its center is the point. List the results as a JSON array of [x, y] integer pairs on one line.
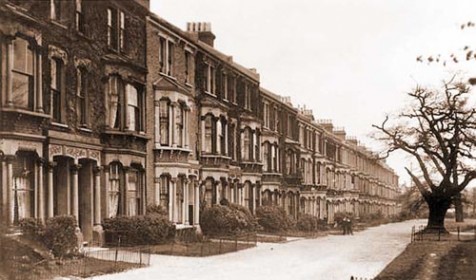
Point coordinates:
[[307, 222], [272, 218], [139, 230], [220, 220], [59, 236]]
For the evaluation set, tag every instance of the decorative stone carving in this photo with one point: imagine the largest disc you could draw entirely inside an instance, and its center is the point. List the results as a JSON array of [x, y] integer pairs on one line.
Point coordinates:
[[55, 52]]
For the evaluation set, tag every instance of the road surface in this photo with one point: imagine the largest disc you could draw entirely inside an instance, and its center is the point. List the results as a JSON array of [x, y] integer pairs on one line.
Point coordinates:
[[363, 254]]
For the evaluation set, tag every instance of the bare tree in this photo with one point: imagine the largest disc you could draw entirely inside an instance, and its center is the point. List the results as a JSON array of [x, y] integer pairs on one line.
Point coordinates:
[[438, 132]]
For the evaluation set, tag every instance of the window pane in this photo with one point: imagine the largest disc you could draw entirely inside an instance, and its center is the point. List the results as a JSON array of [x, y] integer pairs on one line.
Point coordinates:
[[21, 90], [53, 74], [20, 55]]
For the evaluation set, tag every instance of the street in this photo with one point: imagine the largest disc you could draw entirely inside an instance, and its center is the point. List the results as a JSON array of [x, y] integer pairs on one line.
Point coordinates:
[[364, 254]]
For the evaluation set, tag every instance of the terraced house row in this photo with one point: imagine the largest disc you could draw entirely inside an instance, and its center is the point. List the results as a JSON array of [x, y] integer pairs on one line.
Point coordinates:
[[107, 108]]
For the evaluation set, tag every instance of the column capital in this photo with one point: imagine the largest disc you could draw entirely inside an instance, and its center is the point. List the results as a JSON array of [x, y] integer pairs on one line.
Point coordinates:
[[9, 158], [42, 161], [75, 168], [51, 164], [97, 169]]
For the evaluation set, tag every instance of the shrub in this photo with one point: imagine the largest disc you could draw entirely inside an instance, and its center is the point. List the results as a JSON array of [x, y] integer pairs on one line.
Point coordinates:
[[272, 218], [139, 230], [307, 222], [226, 220], [60, 236], [32, 228], [157, 209]]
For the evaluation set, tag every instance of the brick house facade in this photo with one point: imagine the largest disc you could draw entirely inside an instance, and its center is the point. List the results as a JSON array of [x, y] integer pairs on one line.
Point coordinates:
[[106, 108]]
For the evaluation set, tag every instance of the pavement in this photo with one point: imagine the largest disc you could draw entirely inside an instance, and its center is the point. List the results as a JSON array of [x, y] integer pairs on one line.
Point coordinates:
[[363, 254]]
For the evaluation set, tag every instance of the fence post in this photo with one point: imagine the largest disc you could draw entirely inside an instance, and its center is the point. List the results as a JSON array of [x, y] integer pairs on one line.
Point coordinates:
[[219, 248], [201, 249], [236, 242], [439, 234], [458, 234], [140, 257]]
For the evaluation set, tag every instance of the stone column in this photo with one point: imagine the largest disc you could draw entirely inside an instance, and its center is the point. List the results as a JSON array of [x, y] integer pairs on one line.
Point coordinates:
[[171, 199], [106, 189], [74, 169], [41, 192], [217, 192], [4, 190], [253, 202], [185, 202], [35, 189], [9, 180], [174, 201], [232, 192], [196, 204], [51, 194], [97, 195], [157, 190]]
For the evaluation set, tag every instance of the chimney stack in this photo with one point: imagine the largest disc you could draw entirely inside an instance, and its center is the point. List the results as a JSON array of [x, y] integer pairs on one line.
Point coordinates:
[[203, 30]]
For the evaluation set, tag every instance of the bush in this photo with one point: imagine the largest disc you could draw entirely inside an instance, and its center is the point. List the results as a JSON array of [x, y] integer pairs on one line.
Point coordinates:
[[32, 228], [225, 220], [60, 236], [307, 222], [272, 218], [139, 230], [157, 209]]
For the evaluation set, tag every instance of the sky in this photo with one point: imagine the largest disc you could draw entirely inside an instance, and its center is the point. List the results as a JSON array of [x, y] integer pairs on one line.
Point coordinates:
[[349, 61]]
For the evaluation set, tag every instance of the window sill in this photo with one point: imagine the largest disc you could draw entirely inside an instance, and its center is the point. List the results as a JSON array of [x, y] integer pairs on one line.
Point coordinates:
[[62, 125], [59, 24], [168, 76], [209, 93], [25, 112], [85, 129], [173, 149], [126, 133]]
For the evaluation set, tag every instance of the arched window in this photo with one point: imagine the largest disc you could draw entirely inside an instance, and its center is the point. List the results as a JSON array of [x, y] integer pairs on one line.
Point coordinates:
[[115, 189], [164, 191]]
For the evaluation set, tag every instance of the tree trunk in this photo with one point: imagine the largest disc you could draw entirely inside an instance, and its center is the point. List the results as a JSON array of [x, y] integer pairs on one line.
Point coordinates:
[[458, 208], [438, 207]]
